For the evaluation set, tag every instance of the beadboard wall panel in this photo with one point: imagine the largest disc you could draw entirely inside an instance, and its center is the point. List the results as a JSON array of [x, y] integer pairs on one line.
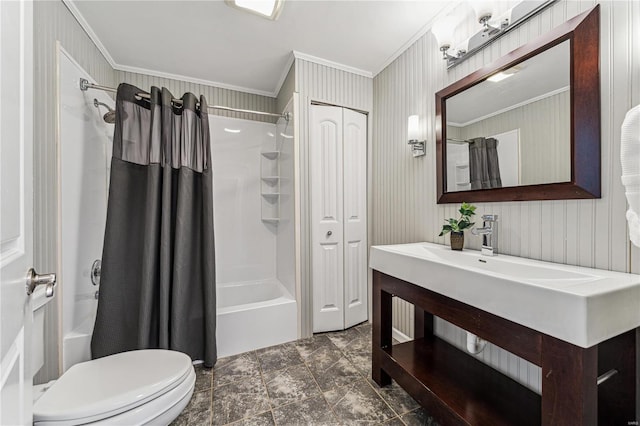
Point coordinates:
[[214, 95], [589, 233], [53, 22], [320, 83]]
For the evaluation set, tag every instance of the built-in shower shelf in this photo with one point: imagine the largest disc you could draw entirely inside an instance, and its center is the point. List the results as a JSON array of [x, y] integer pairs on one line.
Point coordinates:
[[271, 219], [271, 194], [271, 155], [271, 179]]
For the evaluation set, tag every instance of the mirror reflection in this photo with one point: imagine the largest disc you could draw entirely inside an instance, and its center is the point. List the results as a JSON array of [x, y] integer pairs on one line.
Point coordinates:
[[513, 128]]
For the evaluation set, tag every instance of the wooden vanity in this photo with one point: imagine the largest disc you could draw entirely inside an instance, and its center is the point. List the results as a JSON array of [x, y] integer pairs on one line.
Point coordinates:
[[456, 388]]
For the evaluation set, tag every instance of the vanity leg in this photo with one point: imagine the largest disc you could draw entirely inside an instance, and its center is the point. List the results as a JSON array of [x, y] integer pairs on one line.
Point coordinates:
[[422, 323], [569, 389], [618, 396], [381, 337]]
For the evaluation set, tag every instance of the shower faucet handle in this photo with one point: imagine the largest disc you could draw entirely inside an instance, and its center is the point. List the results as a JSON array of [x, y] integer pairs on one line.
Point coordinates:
[[96, 269]]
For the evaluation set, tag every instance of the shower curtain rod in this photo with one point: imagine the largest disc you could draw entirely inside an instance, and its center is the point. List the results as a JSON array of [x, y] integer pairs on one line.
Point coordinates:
[[459, 140], [85, 84]]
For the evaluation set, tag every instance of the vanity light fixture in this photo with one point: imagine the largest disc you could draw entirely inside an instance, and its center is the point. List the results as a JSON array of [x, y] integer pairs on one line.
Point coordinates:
[[413, 131], [443, 28], [484, 12], [269, 9], [443, 31]]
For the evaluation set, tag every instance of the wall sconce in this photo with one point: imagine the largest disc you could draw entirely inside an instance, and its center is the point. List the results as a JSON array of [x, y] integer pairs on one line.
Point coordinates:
[[413, 131], [444, 28]]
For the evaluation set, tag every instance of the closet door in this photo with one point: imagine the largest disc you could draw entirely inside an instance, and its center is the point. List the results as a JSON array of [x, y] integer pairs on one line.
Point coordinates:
[[327, 218], [355, 217]]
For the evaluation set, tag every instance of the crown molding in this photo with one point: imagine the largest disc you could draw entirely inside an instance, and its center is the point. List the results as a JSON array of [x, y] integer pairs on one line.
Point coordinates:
[[188, 79], [284, 74], [331, 64], [509, 108], [70, 5], [87, 29], [425, 29]]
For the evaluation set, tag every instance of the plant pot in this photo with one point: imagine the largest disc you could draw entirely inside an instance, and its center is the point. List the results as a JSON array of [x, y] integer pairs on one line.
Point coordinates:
[[457, 240]]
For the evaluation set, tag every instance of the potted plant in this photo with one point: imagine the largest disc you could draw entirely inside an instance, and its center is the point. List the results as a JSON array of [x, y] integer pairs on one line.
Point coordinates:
[[457, 226]]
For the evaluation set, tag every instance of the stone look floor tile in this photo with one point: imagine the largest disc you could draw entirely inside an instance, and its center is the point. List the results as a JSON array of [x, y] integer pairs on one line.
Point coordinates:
[[397, 398], [324, 357], [358, 402], [279, 386], [199, 408], [418, 417], [204, 378], [343, 338], [394, 422], [263, 419], [290, 384], [278, 357], [310, 411], [308, 347], [365, 328], [361, 361], [239, 400], [235, 368], [339, 373]]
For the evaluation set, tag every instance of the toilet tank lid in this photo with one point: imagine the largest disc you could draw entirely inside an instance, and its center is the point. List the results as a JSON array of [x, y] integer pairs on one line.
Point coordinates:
[[112, 384]]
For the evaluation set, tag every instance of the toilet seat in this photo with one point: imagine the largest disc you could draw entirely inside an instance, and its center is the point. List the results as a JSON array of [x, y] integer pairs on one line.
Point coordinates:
[[125, 388]]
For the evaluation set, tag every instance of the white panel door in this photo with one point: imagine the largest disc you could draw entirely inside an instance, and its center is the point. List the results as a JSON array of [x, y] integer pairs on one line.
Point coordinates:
[[16, 209], [327, 218], [355, 217]]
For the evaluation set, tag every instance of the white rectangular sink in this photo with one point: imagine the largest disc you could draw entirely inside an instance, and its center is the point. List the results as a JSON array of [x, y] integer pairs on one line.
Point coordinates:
[[582, 306]]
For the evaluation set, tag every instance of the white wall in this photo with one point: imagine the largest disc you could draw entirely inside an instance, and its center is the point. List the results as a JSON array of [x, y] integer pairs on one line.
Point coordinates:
[[245, 246], [85, 154], [53, 22], [285, 239], [588, 233]]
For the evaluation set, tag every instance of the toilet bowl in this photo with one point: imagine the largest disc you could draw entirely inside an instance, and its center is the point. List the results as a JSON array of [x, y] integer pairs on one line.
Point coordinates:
[[130, 388]]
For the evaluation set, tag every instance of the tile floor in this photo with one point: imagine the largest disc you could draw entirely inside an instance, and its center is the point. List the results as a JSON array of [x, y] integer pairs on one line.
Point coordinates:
[[322, 380]]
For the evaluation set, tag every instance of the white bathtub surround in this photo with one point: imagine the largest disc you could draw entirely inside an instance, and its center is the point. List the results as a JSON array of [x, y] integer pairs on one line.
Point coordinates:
[[255, 259], [630, 158], [85, 153], [254, 315]]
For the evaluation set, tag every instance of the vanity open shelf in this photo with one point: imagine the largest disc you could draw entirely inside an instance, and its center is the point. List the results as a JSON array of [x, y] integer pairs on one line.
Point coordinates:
[[437, 372], [588, 377]]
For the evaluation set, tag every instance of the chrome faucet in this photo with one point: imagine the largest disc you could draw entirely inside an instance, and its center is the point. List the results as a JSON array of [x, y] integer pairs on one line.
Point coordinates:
[[489, 232]]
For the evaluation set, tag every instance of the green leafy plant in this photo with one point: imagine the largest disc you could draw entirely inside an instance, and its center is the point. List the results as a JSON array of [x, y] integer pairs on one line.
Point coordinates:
[[459, 225]]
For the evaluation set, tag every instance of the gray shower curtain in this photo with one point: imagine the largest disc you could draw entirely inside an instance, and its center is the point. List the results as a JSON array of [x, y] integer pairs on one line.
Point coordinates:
[[484, 170], [158, 266]]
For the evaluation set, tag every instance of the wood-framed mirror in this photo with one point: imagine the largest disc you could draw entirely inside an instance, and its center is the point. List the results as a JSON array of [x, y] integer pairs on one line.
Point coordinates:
[[527, 126]]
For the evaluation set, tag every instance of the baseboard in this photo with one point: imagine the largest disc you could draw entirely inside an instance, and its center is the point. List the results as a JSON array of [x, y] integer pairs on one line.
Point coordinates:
[[399, 335]]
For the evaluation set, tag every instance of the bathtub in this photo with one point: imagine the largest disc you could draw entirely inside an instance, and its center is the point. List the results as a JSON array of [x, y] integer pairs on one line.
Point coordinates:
[[76, 345], [254, 315]]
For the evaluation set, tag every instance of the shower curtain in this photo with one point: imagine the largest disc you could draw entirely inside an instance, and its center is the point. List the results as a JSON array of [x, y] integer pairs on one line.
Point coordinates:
[[484, 170], [158, 274]]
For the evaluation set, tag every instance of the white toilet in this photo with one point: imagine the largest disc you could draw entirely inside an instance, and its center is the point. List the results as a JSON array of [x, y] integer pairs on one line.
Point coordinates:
[[131, 388]]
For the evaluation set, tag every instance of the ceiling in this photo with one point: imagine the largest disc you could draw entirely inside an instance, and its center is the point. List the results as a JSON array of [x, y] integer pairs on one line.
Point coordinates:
[[545, 74], [209, 42]]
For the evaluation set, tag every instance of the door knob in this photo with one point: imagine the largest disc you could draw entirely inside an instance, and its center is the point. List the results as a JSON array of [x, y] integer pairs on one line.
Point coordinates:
[[329, 233], [34, 279]]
